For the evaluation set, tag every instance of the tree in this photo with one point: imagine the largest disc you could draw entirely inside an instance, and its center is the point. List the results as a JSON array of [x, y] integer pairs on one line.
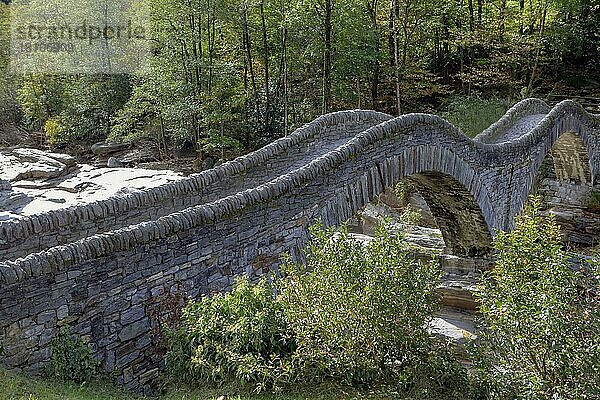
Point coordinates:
[[358, 312], [540, 336]]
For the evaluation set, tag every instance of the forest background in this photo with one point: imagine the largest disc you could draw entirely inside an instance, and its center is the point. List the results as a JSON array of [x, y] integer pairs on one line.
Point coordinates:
[[228, 76]]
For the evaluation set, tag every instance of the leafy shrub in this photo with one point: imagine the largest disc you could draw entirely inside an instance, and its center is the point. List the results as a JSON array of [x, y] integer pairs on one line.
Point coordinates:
[[240, 337], [540, 336], [55, 131], [358, 312], [440, 375], [403, 191], [594, 201], [473, 115], [72, 359]]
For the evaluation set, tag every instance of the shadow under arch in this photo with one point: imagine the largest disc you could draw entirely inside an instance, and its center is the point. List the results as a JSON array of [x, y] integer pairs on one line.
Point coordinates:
[[571, 159], [455, 193], [564, 174], [565, 182], [457, 214]]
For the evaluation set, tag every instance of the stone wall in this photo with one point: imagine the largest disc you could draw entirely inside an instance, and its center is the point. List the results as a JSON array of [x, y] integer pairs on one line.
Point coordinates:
[[567, 199], [498, 131], [99, 284], [39, 232]]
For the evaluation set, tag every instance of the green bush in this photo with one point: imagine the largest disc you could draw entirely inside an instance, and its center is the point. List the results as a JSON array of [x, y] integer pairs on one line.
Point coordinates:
[[55, 131], [403, 190], [236, 337], [473, 115], [594, 201], [540, 334], [358, 312], [355, 313], [72, 359]]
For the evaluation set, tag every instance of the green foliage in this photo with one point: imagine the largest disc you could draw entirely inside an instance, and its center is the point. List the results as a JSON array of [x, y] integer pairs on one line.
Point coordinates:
[[253, 70], [20, 387], [540, 336], [9, 104], [353, 313], [40, 98], [239, 336], [358, 312], [403, 190], [71, 108], [594, 201], [574, 35], [411, 215], [473, 114], [72, 359], [55, 130], [220, 146], [440, 375], [90, 104]]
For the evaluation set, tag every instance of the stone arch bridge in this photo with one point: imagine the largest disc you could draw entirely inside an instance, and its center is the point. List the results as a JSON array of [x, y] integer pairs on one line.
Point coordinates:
[[96, 266]]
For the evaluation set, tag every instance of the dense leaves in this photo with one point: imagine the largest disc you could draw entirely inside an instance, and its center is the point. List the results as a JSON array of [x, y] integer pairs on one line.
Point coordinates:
[[540, 335], [72, 359], [227, 76], [359, 312], [233, 337], [351, 313]]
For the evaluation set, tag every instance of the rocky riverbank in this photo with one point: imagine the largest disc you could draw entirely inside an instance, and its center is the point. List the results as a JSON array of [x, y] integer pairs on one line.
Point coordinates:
[[33, 181]]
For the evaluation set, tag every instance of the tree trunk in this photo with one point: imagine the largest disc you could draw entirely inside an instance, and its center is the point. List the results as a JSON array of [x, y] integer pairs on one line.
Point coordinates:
[[585, 11], [396, 56], [359, 105], [196, 60], [372, 5], [521, 16], [460, 47], [406, 35], [445, 44], [285, 71], [248, 50], [531, 17], [471, 16], [211, 28], [266, 61], [502, 19], [539, 48], [327, 58]]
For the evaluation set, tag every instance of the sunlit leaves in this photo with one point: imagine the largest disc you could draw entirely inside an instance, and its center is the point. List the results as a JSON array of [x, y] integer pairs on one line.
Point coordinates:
[[540, 325]]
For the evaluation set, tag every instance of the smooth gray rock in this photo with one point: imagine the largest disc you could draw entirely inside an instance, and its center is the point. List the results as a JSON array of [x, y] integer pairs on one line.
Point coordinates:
[[208, 163], [114, 163], [103, 148]]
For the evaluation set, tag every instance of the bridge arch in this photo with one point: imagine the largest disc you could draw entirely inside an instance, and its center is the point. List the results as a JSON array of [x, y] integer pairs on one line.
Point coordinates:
[[569, 136], [571, 159], [453, 190], [567, 166], [456, 213], [563, 142]]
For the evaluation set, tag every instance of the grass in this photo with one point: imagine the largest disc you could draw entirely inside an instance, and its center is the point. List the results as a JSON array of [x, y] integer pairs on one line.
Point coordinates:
[[473, 115], [17, 387], [316, 392]]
